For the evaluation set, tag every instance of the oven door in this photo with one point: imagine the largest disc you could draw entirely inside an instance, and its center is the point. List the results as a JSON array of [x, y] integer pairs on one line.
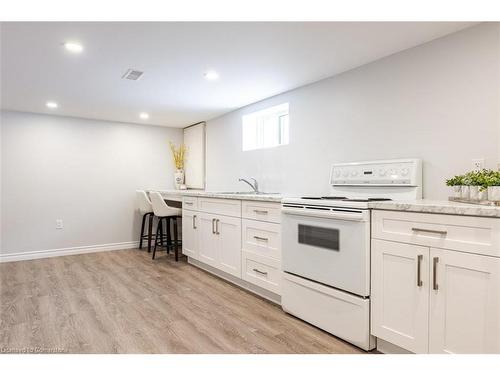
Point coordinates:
[[331, 250]]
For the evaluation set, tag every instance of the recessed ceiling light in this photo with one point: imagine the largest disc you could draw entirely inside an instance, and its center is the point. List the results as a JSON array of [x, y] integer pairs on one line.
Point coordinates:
[[73, 47], [211, 75], [144, 115], [52, 105]]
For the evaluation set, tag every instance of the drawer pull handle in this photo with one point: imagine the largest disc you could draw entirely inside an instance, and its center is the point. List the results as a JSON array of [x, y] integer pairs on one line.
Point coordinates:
[[442, 232], [261, 238], [194, 221], [435, 261], [213, 226], [261, 211], [189, 203], [419, 270], [259, 271], [217, 226]]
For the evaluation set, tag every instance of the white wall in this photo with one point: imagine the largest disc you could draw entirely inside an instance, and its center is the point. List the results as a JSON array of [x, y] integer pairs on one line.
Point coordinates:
[[82, 171], [438, 101]]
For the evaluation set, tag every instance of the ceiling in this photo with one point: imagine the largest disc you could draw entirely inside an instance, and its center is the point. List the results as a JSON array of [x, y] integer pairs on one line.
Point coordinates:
[[254, 61]]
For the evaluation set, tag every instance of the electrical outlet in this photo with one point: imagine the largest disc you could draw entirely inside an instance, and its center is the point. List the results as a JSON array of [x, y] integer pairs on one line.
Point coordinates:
[[59, 224], [478, 164]]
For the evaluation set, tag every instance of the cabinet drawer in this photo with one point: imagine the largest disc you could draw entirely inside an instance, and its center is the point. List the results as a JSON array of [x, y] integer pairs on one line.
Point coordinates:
[[190, 203], [228, 207], [261, 238], [263, 211], [262, 271], [463, 233]]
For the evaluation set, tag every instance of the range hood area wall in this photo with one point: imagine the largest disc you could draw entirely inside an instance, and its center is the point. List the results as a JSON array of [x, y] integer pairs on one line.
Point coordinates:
[[438, 102]]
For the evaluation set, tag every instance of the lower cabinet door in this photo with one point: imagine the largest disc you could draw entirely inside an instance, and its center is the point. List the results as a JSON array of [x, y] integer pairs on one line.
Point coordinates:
[[464, 303], [207, 239], [400, 294], [228, 231], [190, 222]]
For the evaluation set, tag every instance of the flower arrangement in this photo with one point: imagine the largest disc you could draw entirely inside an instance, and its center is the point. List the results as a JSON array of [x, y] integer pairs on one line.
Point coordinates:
[[178, 154]]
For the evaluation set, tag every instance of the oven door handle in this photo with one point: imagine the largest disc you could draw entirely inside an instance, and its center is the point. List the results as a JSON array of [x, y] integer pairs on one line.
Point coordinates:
[[343, 215]]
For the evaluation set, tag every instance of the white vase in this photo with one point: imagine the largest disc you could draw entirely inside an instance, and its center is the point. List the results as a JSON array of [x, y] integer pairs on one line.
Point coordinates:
[[494, 193], [457, 191], [477, 194], [464, 192], [178, 178]]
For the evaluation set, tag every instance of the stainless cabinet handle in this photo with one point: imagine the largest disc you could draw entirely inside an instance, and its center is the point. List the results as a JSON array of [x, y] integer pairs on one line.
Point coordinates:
[[213, 226], [217, 226], [419, 270], [189, 203], [435, 261], [261, 238], [259, 271], [443, 232], [260, 211], [194, 221]]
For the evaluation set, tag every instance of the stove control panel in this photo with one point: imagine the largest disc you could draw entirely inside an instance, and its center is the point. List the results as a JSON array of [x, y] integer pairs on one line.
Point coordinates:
[[396, 172]]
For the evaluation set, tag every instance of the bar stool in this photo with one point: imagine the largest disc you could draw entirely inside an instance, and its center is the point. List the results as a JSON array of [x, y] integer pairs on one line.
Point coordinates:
[[146, 209], [165, 213]]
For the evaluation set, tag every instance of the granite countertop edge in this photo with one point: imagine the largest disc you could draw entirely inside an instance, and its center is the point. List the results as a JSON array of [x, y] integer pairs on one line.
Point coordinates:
[[438, 207]]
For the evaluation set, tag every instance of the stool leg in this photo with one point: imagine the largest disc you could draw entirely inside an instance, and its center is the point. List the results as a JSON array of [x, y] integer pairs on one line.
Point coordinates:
[[142, 230], [169, 235], [160, 225], [158, 230], [176, 240], [150, 231]]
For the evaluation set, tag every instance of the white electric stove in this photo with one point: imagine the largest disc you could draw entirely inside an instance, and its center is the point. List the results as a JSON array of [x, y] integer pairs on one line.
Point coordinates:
[[326, 245]]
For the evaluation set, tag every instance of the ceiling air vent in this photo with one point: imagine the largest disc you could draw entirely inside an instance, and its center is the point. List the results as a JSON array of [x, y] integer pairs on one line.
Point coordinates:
[[133, 74]]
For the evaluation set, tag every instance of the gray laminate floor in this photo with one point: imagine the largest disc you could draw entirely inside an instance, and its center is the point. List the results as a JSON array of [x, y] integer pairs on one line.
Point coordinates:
[[123, 302]]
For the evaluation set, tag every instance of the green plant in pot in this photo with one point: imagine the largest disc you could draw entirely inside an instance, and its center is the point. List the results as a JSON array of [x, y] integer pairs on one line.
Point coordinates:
[[492, 183], [456, 182], [478, 184]]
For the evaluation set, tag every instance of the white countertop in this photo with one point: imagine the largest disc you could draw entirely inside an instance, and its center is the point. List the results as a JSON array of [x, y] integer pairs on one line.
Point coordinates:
[[419, 205], [438, 207], [223, 195]]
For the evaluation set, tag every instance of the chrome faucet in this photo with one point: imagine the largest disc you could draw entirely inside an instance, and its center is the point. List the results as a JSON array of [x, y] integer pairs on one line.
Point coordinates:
[[254, 186]]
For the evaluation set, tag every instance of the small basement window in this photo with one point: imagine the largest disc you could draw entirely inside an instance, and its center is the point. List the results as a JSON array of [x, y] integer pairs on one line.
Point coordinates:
[[266, 128]]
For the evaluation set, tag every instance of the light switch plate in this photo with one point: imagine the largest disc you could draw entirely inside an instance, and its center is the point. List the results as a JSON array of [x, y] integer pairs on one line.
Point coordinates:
[[59, 224]]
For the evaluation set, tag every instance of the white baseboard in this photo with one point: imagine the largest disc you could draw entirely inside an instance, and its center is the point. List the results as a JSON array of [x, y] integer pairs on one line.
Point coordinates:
[[14, 257]]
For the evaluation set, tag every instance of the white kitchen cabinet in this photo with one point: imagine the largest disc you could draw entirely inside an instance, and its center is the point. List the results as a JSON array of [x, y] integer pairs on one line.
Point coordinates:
[[190, 233], [400, 295], [213, 229], [228, 244], [207, 240], [262, 271], [219, 241], [454, 307], [464, 303], [262, 238]]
